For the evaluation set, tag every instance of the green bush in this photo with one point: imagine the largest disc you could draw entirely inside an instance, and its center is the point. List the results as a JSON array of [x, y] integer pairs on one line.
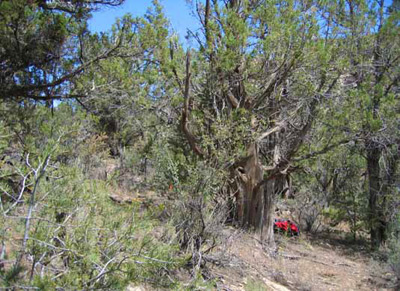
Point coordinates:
[[394, 247], [77, 237]]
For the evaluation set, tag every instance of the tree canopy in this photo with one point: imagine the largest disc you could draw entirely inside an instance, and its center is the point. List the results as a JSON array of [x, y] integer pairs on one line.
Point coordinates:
[[279, 105]]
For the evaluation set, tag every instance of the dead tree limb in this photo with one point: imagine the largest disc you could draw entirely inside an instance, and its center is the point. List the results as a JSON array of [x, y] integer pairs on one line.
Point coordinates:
[[185, 112], [38, 174]]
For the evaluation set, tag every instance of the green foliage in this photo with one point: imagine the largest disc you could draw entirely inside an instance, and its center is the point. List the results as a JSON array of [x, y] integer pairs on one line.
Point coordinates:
[[394, 246], [99, 233], [360, 116], [11, 276], [332, 190], [75, 229], [322, 75], [125, 109], [41, 46], [198, 208]]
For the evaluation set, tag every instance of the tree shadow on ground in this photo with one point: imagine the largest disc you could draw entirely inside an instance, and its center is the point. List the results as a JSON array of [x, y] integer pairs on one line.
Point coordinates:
[[345, 245]]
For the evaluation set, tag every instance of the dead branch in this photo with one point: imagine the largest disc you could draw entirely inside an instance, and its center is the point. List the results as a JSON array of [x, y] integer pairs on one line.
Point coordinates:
[[277, 79], [103, 271], [234, 102], [18, 200], [38, 174], [185, 112], [271, 131]]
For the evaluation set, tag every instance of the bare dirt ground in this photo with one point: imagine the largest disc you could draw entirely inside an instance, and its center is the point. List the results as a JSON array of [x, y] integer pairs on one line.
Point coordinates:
[[305, 263], [308, 262]]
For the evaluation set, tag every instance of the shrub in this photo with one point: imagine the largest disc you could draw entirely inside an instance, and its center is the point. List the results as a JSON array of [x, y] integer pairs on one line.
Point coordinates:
[[394, 247]]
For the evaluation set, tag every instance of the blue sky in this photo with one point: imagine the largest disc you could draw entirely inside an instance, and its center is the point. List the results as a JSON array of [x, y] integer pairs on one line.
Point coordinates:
[[177, 11]]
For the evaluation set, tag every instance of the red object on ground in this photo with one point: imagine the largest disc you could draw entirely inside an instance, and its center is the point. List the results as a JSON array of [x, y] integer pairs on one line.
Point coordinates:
[[294, 228], [283, 225]]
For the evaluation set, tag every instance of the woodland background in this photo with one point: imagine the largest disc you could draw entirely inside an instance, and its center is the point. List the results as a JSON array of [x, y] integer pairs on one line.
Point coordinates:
[[124, 155]]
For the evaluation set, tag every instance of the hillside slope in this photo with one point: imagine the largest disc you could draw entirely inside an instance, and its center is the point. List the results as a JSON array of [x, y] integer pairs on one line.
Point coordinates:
[[299, 264]]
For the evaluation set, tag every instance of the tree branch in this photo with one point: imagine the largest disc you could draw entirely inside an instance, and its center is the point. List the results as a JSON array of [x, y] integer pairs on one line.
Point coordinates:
[[271, 131], [326, 149], [27, 90], [39, 173], [185, 112]]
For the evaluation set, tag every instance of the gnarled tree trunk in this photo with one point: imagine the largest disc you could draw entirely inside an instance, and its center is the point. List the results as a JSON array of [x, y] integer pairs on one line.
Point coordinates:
[[256, 195]]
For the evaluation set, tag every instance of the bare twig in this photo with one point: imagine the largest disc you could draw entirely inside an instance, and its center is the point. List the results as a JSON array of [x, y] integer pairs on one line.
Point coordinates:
[[21, 192], [39, 173]]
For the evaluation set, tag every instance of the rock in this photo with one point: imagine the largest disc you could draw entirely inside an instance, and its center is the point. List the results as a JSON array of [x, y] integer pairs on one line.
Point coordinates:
[[275, 286], [135, 288]]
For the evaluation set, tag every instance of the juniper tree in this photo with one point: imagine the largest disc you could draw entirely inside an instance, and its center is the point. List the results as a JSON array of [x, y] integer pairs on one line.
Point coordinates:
[[251, 95], [41, 47]]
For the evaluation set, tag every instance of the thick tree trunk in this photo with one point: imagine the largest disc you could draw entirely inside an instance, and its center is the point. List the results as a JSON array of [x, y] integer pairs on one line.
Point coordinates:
[[266, 225], [252, 196], [255, 197]]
